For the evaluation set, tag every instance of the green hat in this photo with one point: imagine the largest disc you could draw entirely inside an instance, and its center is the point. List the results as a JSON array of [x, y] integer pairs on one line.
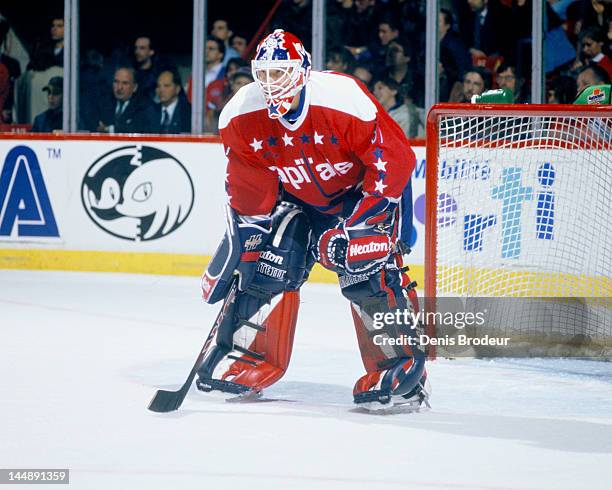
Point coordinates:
[[499, 96], [595, 95]]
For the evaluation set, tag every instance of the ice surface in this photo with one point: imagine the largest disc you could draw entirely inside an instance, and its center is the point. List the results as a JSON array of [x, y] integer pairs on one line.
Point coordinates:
[[82, 354]]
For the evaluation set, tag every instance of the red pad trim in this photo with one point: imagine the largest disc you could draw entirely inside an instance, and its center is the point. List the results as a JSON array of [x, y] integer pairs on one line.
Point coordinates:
[[376, 219], [208, 285], [323, 244], [250, 256], [367, 203]]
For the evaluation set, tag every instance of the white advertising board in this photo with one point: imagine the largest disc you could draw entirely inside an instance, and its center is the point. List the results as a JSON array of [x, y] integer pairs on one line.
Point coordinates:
[[112, 195]]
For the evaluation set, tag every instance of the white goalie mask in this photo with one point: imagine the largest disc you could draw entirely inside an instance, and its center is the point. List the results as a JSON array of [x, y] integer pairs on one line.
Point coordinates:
[[281, 68]]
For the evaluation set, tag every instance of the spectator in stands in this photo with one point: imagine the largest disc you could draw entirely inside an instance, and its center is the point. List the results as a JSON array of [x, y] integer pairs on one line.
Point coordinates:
[[506, 77], [363, 73], [214, 77], [148, 65], [5, 87], [239, 43], [388, 32], [475, 82], [454, 56], [237, 79], [489, 33], [216, 99], [13, 71], [388, 93], [215, 52], [30, 100], [401, 69], [295, 16], [562, 90], [218, 91], [92, 87], [173, 113], [57, 39], [125, 111], [222, 31], [591, 75], [593, 41], [335, 13], [591, 13], [361, 25], [51, 119], [412, 18], [339, 60]]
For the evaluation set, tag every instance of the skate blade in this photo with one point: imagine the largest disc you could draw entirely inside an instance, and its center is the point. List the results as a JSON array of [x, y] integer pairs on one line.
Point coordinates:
[[246, 397], [377, 408], [398, 404], [256, 397]]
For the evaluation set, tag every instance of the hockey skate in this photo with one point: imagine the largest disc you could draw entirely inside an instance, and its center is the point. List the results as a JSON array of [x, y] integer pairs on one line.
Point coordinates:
[[374, 392]]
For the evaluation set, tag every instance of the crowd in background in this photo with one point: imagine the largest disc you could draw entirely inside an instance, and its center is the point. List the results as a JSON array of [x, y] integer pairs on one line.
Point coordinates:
[[483, 44]]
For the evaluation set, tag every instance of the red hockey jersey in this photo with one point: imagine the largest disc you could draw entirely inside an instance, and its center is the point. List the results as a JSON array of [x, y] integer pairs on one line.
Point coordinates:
[[342, 139]]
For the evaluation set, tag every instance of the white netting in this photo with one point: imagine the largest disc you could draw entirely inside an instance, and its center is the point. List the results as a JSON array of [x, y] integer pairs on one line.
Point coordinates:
[[524, 210]]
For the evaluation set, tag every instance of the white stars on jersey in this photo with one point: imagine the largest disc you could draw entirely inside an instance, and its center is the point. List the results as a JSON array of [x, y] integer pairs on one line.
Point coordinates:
[[380, 165], [257, 144], [288, 140], [379, 186], [318, 138]]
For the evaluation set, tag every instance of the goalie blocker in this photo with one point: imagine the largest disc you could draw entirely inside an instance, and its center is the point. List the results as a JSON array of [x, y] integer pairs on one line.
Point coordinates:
[[273, 257]]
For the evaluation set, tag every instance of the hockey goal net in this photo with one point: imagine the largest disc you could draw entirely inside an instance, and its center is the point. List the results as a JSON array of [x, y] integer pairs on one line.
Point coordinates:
[[519, 208]]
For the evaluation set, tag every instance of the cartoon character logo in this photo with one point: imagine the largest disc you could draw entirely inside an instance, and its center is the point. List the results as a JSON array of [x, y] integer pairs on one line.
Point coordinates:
[[137, 193], [273, 47]]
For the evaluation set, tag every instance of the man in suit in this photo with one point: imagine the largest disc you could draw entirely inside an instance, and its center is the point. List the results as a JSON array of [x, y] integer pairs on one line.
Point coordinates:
[[454, 56], [173, 113], [489, 33], [222, 31], [125, 111]]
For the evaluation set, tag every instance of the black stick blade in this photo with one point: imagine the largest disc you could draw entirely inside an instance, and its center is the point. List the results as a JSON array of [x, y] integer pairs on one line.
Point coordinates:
[[166, 401]]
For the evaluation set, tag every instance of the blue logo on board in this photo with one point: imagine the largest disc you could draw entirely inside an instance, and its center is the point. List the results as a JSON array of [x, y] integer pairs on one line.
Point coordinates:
[[25, 209], [512, 195]]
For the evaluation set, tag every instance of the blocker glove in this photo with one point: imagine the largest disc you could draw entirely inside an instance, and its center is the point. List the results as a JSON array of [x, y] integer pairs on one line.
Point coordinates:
[[364, 242]]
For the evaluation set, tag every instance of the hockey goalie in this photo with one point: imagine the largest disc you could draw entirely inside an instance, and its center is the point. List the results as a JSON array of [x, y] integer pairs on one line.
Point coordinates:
[[317, 172]]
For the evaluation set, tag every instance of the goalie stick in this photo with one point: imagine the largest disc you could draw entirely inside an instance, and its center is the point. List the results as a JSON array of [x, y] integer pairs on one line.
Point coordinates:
[[167, 401]]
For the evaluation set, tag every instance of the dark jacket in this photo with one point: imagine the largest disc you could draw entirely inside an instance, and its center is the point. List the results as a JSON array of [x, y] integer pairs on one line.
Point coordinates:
[[147, 79], [48, 121], [137, 117], [180, 122], [456, 61], [495, 36]]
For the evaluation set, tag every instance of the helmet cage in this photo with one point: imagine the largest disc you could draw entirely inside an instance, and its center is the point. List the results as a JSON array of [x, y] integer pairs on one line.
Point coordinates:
[[278, 79]]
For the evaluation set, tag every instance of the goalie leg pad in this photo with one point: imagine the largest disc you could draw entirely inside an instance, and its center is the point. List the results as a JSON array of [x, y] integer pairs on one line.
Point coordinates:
[[253, 351], [244, 239], [388, 340], [253, 348]]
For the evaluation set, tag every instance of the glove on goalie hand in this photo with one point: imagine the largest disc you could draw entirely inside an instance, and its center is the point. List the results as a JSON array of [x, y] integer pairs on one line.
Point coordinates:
[[363, 243]]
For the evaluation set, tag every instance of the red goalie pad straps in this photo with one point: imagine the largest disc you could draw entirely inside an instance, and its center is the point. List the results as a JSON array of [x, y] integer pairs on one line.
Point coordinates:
[[275, 343]]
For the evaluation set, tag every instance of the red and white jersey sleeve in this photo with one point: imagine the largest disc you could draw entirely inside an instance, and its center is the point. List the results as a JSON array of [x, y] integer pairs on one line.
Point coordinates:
[[342, 139], [382, 147]]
